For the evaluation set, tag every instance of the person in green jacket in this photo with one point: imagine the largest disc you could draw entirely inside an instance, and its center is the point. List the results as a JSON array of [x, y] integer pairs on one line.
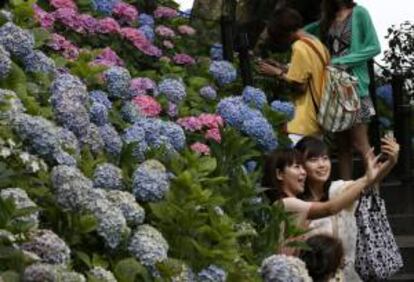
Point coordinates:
[[348, 32]]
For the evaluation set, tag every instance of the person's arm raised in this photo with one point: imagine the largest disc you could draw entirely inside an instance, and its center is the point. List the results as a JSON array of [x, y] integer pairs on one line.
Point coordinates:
[[353, 192]]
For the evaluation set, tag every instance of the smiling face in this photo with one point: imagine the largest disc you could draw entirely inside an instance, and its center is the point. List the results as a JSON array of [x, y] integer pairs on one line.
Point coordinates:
[[292, 179], [318, 168]]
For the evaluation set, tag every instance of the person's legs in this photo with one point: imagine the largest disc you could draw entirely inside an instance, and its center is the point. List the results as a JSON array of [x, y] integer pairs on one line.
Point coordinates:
[[360, 140], [344, 154]]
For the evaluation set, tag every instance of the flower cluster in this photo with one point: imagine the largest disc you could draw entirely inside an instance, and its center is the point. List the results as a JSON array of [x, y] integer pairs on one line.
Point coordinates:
[[145, 19], [223, 72], [111, 140], [183, 59], [284, 268], [142, 86], [150, 181], [104, 6], [164, 31], [209, 124], [254, 97], [98, 114], [174, 89], [148, 32], [37, 61], [147, 106], [100, 274], [200, 148], [59, 43], [48, 246], [11, 103], [165, 12], [125, 201], [250, 121], [286, 108], [108, 176], [208, 92], [68, 141], [40, 272], [108, 58], [212, 273], [186, 30], [126, 13], [216, 52], [16, 41], [117, 81], [5, 63], [148, 245], [63, 4], [100, 97], [21, 201]]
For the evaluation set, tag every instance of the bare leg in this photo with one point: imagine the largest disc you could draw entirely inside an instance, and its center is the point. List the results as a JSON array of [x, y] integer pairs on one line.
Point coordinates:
[[344, 154], [360, 140]]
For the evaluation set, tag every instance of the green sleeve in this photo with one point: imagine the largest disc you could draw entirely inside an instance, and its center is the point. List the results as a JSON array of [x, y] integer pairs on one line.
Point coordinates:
[[365, 44], [313, 28]]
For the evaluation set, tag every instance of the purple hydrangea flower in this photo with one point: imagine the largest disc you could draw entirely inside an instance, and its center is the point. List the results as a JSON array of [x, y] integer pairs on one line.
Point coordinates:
[[104, 6], [148, 32]]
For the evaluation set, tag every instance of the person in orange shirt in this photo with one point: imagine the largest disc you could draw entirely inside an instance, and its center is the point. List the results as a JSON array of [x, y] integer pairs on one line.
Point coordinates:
[[305, 70]]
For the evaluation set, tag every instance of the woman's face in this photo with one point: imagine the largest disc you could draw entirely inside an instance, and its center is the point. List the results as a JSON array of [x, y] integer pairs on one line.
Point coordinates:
[[293, 179], [318, 168]]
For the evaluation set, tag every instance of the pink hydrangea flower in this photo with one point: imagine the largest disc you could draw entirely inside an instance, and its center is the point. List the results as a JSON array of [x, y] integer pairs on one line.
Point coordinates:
[[59, 43], [165, 12], [139, 40], [147, 105], [168, 44], [186, 30], [45, 19], [125, 12], [213, 134], [142, 86], [191, 124], [200, 148], [183, 59], [211, 120], [69, 18], [63, 4], [164, 31], [108, 25], [108, 58]]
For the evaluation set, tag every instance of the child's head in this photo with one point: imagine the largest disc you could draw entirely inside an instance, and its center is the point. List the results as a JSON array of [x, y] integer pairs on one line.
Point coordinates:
[[283, 24], [323, 258], [316, 161], [283, 174]]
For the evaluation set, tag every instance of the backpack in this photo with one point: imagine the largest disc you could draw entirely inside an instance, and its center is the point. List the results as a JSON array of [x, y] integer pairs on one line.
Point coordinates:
[[340, 101]]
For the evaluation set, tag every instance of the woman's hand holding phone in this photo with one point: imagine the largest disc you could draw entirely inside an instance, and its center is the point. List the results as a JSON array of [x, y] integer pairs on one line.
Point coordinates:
[[390, 148]]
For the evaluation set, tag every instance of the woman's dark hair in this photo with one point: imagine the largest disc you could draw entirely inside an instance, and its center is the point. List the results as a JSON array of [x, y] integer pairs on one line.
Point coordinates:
[[329, 8], [283, 23], [311, 147], [279, 159], [323, 256]]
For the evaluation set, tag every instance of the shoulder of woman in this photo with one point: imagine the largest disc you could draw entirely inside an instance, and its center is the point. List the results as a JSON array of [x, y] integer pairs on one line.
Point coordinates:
[[338, 186], [359, 10]]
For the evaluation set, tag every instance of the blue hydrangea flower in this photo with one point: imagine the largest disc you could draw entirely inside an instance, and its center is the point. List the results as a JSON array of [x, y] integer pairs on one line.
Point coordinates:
[[21, 201], [5, 63], [174, 89], [98, 114], [148, 245], [112, 140], [68, 141], [282, 268], [174, 133], [7, 15], [212, 273], [151, 127], [150, 181], [48, 246], [223, 72], [208, 92], [261, 131], [117, 81], [11, 103], [37, 61], [125, 201], [68, 87], [286, 108], [93, 139], [148, 32], [63, 158], [384, 92], [39, 272], [104, 6], [129, 112], [101, 97], [39, 133], [73, 116], [108, 176], [254, 97], [136, 134], [100, 274], [17, 41], [216, 52], [145, 19], [231, 110], [250, 166]]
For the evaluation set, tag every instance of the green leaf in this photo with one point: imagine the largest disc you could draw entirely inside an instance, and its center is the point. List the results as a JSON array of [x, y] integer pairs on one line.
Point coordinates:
[[84, 258], [207, 164], [41, 35], [98, 260], [87, 223], [10, 276], [128, 269]]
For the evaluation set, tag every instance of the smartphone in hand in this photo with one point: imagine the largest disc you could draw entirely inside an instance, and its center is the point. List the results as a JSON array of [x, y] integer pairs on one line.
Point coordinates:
[[384, 157]]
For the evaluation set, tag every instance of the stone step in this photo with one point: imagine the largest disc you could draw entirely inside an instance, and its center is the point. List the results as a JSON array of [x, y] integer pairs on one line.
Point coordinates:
[[406, 244], [398, 196], [402, 277], [402, 224]]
